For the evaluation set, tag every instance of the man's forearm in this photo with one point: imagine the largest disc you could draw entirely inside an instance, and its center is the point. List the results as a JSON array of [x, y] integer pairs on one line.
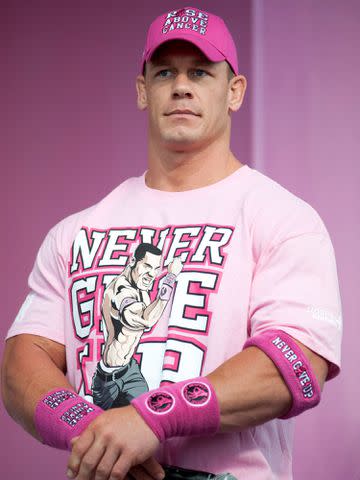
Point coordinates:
[[31, 367], [153, 312], [251, 390]]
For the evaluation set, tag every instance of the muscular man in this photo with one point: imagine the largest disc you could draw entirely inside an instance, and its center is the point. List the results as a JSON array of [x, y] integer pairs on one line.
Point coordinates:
[[127, 312], [253, 329]]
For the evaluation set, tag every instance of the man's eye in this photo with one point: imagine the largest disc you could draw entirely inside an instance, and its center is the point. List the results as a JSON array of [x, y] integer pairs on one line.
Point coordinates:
[[199, 72], [163, 73]]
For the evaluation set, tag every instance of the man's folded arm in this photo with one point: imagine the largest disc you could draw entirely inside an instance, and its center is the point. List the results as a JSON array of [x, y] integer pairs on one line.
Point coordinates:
[[251, 390], [249, 387], [32, 366]]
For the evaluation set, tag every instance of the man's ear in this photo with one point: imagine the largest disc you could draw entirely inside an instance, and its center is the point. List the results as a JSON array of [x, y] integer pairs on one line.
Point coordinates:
[[141, 92], [237, 88]]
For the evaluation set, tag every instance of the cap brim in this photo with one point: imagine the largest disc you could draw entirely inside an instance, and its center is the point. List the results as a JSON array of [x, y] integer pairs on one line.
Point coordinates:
[[211, 52]]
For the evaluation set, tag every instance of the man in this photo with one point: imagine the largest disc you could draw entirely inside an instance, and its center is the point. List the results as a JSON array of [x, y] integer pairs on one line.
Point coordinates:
[[126, 312], [252, 323]]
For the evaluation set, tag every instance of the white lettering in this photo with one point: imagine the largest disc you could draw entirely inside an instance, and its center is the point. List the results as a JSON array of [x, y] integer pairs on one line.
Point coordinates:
[[289, 353], [212, 246], [178, 243], [86, 252], [113, 246], [195, 301], [304, 378], [308, 389], [83, 311], [190, 363]]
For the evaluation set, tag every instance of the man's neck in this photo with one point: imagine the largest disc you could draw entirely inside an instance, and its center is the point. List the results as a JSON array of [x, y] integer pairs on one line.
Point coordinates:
[[176, 171]]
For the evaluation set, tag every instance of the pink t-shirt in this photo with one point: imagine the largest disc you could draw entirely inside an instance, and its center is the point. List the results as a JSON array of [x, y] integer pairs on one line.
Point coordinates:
[[247, 256]]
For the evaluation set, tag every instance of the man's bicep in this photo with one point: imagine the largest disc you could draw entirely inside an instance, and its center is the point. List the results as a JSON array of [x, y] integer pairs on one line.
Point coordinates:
[[133, 314]]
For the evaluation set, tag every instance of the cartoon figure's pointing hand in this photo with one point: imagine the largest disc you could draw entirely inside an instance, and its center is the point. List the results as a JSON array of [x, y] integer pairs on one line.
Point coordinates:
[[175, 266]]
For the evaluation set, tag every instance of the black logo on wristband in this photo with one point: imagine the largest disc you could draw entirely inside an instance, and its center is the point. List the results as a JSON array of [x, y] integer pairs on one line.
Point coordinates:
[[160, 402], [196, 393]]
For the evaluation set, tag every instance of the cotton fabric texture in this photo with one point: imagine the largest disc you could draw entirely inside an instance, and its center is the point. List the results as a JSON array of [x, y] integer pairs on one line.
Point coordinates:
[[253, 257]]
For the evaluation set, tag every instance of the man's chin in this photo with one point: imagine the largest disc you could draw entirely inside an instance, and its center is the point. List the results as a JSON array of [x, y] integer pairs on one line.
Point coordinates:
[[181, 142]]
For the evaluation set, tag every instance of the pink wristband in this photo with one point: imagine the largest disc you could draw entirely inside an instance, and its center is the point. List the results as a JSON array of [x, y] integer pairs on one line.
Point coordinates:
[[62, 415], [186, 408], [293, 366]]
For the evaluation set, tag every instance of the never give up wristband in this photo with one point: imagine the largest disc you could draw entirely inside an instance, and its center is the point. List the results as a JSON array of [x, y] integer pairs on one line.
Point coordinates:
[[293, 366]]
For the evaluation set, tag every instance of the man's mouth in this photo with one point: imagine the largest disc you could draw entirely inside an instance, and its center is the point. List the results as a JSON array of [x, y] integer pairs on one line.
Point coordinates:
[[146, 281], [182, 112]]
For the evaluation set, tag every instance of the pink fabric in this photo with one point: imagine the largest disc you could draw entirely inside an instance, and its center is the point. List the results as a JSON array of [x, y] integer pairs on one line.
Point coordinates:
[[62, 415], [293, 366], [183, 409], [253, 258], [205, 30]]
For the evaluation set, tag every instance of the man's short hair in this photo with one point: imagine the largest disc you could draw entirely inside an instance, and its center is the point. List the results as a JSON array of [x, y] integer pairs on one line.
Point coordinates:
[[142, 248]]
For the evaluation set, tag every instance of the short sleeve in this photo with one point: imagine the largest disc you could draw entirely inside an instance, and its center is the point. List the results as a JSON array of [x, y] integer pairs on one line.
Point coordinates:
[[295, 289], [43, 310]]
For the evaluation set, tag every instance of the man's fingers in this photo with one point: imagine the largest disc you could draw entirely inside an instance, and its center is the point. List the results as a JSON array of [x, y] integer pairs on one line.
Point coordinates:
[[106, 464], [80, 447], [154, 469], [90, 461], [121, 468], [138, 473], [73, 440]]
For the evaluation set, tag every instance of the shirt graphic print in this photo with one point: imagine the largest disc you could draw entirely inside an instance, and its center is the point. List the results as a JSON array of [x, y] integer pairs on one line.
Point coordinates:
[[146, 322]]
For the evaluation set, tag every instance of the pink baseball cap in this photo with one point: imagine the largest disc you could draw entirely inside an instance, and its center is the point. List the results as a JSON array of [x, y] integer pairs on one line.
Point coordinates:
[[206, 31]]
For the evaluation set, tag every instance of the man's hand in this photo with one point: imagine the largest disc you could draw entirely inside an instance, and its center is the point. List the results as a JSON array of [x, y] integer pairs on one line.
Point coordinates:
[[117, 442], [175, 266]]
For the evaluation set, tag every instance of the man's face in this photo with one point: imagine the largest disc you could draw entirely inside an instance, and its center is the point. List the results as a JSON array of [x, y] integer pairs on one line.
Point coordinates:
[[146, 270], [187, 96]]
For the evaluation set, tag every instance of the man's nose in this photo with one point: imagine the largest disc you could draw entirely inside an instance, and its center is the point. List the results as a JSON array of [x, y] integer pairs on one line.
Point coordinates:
[[182, 87]]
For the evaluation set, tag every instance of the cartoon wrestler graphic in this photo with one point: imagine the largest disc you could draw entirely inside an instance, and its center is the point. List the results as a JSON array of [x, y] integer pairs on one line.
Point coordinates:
[[126, 313]]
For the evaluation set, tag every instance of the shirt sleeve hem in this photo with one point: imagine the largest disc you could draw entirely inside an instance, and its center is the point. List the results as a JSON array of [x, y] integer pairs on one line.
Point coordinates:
[[39, 332], [333, 363]]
